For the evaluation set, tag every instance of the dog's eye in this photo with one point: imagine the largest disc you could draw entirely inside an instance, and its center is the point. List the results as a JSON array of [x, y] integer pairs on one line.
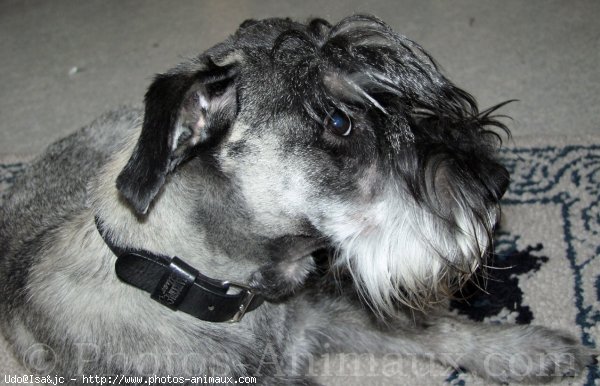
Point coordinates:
[[338, 122]]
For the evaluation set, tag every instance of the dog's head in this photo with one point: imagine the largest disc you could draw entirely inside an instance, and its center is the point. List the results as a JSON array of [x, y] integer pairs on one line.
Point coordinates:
[[349, 128]]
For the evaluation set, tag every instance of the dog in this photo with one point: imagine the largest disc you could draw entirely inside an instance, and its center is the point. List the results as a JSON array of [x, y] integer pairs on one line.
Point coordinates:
[[296, 190]]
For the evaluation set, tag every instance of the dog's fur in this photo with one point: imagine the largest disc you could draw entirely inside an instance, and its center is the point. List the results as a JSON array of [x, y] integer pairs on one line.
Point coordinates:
[[236, 167]]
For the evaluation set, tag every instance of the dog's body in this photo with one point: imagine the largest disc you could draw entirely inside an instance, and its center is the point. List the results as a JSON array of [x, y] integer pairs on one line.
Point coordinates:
[[285, 139]]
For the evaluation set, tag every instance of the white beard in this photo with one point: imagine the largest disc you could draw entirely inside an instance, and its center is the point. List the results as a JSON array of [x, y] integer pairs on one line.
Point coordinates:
[[399, 252]]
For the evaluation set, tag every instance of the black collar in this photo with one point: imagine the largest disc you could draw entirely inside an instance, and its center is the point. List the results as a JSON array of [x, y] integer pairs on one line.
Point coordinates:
[[175, 284]]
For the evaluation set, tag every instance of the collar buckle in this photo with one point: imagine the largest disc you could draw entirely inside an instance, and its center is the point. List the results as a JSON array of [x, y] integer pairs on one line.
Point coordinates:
[[247, 300]]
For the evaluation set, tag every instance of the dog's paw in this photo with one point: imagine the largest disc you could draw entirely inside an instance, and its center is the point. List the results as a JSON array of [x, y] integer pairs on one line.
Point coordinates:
[[533, 354], [278, 281]]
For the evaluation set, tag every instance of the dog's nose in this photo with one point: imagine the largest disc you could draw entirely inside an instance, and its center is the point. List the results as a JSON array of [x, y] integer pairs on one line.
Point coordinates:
[[502, 181]]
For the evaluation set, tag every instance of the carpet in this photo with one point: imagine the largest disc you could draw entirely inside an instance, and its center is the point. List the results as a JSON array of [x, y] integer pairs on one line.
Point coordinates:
[[546, 261]]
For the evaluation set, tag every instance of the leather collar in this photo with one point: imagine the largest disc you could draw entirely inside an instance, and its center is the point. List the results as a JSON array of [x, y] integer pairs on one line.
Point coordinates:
[[179, 286]]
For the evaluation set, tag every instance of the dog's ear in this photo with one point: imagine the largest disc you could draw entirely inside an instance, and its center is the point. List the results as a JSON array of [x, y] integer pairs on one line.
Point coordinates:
[[183, 110]]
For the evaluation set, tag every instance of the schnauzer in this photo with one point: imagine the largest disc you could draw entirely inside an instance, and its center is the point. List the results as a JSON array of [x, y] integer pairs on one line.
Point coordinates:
[[320, 187]]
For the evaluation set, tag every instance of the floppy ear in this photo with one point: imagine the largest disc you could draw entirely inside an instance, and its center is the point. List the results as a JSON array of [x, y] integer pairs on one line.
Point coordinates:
[[182, 110]]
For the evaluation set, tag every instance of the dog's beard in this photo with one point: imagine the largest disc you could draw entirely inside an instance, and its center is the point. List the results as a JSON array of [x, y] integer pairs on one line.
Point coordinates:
[[402, 254]]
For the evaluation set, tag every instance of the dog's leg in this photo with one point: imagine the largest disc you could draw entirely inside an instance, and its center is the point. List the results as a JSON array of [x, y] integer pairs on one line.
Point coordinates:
[[501, 353], [505, 353]]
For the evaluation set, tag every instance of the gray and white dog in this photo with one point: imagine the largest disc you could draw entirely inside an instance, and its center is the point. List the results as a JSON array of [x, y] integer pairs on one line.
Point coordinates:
[[282, 141]]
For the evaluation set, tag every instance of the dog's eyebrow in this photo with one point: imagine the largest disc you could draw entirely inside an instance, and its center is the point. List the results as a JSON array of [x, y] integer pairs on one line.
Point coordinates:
[[346, 86], [361, 62]]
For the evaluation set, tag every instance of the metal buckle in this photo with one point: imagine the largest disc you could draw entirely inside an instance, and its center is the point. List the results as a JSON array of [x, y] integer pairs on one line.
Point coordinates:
[[248, 297]]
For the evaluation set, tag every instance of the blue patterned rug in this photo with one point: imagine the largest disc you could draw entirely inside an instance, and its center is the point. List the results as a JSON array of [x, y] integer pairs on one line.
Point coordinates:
[[547, 257], [548, 247], [8, 172]]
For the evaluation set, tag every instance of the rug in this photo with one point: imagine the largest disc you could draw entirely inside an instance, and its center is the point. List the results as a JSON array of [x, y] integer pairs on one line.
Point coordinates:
[[547, 262]]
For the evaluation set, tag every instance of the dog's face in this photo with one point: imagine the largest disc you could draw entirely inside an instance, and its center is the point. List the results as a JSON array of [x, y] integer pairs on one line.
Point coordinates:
[[350, 129]]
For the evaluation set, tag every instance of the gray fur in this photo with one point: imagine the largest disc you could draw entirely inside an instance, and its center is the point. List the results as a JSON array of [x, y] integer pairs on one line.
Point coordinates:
[[250, 187]]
